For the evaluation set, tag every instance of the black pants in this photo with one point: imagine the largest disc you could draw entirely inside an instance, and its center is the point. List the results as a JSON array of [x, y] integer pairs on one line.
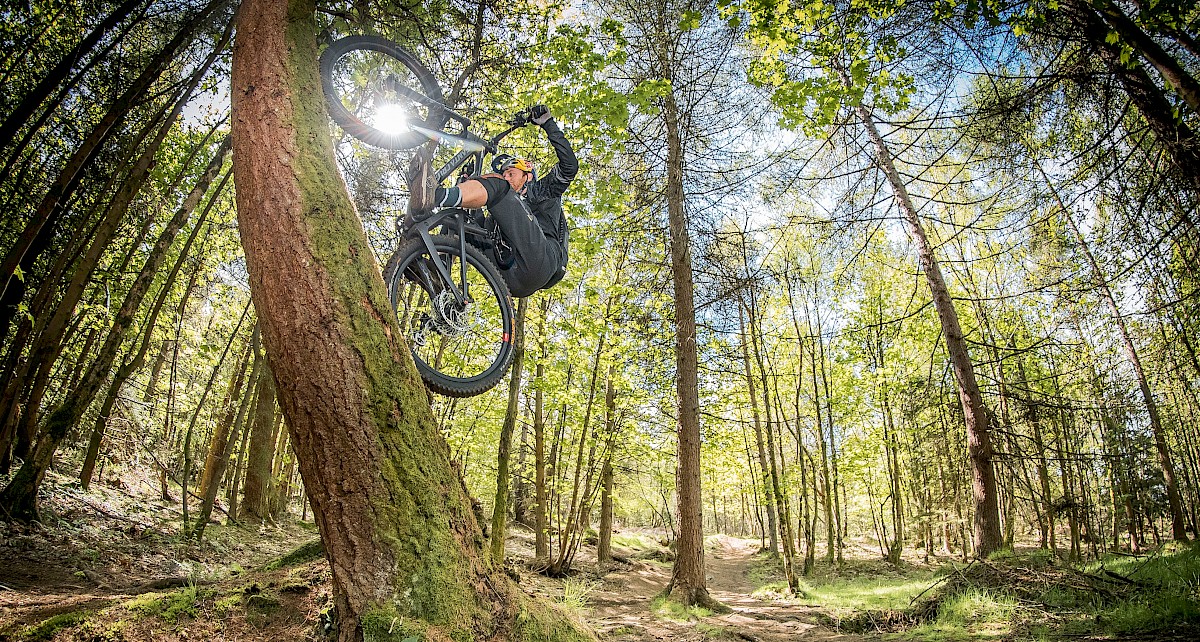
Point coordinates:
[[537, 256]]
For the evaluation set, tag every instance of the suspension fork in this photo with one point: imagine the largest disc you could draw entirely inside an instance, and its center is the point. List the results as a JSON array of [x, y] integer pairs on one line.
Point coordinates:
[[443, 271]]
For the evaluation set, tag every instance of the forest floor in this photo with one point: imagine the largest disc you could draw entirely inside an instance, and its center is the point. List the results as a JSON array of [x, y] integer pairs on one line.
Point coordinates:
[[108, 564], [622, 606]]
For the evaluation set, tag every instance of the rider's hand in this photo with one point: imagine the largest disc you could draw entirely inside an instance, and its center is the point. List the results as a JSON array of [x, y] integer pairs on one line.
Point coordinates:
[[539, 114]]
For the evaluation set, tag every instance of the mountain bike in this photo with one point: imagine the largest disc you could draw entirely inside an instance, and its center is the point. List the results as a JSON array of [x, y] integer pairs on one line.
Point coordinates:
[[451, 300]]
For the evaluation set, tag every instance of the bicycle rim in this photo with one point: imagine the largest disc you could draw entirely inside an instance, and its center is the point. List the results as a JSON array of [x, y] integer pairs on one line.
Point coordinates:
[[460, 351], [380, 93]]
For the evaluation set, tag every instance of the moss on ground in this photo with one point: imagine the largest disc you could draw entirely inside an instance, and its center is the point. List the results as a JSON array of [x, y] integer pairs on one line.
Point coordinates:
[[167, 606], [306, 553], [47, 629]]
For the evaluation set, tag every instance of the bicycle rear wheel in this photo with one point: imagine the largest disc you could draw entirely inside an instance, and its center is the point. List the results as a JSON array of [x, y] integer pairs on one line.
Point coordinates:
[[460, 351], [380, 93]]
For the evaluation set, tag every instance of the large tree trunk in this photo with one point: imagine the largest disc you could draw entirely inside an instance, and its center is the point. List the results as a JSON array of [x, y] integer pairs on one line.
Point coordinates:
[[405, 550]]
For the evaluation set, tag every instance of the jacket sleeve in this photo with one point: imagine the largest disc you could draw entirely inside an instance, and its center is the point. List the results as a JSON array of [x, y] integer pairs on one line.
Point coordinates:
[[555, 183]]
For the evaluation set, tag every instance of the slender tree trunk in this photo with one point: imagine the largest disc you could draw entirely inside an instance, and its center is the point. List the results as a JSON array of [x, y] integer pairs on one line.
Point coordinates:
[[1173, 73], [773, 465], [186, 477], [19, 499], [688, 580], [44, 221], [127, 369], [765, 476], [503, 452], [1174, 504], [541, 543], [238, 467], [259, 484], [521, 474], [604, 546], [58, 77], [988, 538], [576, 515], [1172, 133], [220, 447]]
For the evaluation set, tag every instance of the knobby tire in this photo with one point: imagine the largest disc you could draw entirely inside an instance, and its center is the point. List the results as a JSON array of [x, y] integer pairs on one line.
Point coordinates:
[[454, 366], [434, 119]]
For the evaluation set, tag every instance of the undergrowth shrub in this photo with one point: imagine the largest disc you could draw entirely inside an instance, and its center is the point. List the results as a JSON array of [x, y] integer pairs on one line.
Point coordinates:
[[1036, 594]]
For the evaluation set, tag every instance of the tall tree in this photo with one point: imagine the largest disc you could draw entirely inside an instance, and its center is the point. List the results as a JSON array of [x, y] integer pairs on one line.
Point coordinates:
[[845, 45], [405, 549]]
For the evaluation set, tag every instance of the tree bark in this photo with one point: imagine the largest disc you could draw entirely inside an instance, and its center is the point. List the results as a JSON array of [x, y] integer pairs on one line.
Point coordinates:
[[406, 553], [688, 580]]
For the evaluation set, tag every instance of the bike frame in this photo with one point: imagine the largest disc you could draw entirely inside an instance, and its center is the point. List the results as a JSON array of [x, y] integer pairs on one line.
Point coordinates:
[[454, 217]]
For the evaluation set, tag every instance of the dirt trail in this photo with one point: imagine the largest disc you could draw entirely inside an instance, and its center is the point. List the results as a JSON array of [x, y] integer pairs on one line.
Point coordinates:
[[621, 607]]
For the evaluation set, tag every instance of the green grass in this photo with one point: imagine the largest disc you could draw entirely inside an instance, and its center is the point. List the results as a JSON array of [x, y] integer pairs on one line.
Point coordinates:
[[1026, 596], [576, 592], [635, 542], [669, 609], [863, 593]]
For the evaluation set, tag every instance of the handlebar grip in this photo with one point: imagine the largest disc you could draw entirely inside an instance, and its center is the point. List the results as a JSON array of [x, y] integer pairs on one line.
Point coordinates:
[[522, 117]]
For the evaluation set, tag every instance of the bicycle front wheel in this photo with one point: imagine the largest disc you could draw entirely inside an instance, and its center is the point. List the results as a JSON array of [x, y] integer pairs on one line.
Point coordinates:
[[461, 349], [380, 93]]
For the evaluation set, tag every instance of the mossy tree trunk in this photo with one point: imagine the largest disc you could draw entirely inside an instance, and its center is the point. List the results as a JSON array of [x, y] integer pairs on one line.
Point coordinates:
[[405, 550]]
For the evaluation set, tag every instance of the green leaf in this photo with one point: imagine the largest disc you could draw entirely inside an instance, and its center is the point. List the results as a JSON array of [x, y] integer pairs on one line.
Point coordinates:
[[689, 20]]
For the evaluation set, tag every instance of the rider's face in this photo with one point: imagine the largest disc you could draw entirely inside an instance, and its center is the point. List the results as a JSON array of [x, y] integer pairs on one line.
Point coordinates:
[[516, 178]]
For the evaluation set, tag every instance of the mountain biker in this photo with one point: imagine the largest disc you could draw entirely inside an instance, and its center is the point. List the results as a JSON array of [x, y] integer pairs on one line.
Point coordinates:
[[528, 212]]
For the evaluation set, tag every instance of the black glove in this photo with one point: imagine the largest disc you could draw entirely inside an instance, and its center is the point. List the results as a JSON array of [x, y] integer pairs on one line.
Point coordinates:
[[539, 114]]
